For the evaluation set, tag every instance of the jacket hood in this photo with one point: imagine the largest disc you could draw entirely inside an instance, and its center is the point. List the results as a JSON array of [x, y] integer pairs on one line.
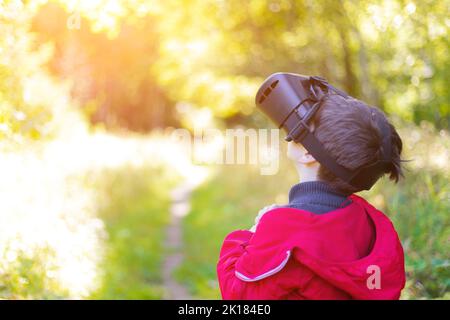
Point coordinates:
[[356, 249]]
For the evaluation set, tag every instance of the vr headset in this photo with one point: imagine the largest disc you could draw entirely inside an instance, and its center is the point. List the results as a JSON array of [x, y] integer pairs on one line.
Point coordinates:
[[292, 100]]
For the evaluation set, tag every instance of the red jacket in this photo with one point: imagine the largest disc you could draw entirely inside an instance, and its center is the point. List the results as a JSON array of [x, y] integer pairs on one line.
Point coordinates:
[[350, 253]]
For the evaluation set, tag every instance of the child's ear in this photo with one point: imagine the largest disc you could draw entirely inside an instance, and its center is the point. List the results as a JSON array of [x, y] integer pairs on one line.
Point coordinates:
[[307, 158]]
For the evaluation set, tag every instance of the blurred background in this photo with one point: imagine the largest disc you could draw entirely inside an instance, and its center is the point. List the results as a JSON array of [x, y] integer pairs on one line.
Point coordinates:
[[91, 90]]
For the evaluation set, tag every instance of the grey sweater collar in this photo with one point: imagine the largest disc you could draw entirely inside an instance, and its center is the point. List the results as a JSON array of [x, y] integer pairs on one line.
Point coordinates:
[[317, 197]]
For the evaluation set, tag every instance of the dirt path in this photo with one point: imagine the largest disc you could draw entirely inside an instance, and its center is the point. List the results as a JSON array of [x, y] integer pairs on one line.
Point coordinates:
[[174, 242]]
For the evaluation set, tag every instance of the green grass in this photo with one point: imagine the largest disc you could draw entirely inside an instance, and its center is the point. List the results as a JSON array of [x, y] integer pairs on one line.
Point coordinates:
[[419, 207], [133, 206], [135, 213], [420, 211]]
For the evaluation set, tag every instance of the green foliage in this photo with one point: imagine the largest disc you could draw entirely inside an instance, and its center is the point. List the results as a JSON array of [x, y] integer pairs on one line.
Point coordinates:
[[31, 101], [29, 275], [110, 75], [213, 54], [424, 228], [233, 46]]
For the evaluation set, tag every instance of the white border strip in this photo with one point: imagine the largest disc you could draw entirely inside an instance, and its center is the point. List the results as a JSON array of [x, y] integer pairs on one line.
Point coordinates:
[[265, 274]]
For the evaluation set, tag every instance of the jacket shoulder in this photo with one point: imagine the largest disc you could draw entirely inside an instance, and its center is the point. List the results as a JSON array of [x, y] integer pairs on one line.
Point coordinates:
[[270, 248]]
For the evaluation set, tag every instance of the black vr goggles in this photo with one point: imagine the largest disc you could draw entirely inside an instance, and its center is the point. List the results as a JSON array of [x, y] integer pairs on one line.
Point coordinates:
[[291, 101]]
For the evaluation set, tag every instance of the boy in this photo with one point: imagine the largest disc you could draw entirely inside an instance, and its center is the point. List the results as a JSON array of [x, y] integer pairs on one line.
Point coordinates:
[[327, 242]]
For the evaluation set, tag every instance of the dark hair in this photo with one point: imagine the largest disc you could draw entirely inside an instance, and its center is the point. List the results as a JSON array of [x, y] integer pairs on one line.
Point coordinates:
[[348, 131]]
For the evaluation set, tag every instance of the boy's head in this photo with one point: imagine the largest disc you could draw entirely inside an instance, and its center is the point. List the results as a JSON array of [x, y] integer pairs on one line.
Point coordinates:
[[347, 129]]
